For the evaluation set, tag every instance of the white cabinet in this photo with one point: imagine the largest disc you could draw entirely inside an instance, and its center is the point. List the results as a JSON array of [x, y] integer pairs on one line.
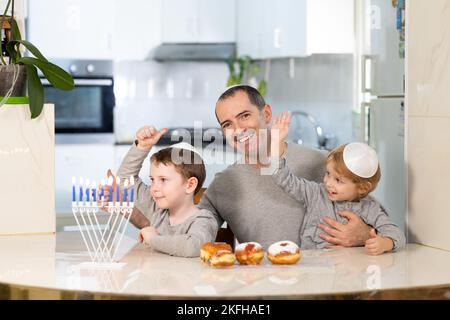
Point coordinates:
[[198, 21], [80, 160], [294, 28], [101, 29], [81, 29], [137, 28]]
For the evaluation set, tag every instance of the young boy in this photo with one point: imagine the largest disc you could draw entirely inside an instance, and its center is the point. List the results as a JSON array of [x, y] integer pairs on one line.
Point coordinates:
[[177, 226], [352, 172]]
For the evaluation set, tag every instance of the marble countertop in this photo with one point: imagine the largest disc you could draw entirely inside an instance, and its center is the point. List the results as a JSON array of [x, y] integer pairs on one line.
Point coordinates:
[[50, 266]]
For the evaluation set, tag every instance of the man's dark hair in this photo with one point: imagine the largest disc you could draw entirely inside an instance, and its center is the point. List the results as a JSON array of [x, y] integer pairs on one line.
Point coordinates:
[[253, 95]]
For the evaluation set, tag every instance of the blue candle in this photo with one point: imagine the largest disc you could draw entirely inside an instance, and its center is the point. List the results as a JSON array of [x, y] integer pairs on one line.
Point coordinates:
[[125, 190], [132, 189], [74, 193], [94, 191], [110, 182], [88, 191], [81, 189], [117, 189], [102, 189]]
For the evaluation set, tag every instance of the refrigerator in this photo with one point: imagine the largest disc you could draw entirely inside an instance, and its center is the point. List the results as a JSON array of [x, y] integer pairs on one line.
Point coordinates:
[[382, 108]]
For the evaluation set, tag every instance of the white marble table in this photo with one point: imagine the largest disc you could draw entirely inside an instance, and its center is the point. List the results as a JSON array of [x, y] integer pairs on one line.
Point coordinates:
[[47, 266]]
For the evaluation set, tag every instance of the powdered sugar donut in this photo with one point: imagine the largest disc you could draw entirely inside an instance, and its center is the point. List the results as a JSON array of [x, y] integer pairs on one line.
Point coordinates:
[[284, 252]]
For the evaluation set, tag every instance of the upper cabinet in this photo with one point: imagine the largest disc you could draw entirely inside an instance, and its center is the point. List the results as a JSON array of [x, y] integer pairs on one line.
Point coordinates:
[[100, 29], [198, 21], [80, 29], [294, 28]]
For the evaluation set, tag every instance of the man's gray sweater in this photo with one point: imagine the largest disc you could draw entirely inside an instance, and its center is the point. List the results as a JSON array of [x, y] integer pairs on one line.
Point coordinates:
[[254, 207]]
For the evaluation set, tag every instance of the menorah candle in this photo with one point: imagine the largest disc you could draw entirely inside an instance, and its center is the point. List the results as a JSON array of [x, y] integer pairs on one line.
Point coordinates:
[[102, 189], [118, 189], [110, 182], [74, 192], [125, 190], [132, 188], [88, 191], [94, 191], [81, 189]]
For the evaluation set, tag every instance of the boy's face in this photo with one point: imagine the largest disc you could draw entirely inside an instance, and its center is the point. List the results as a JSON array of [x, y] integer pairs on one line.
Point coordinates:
[[339, 188], [241, 121], [168, 187]]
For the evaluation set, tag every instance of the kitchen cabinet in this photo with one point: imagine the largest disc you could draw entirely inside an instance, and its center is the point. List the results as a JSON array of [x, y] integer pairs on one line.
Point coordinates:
[[198, 21], [79, 160], [294, 28], [101, 29], [80, 29]]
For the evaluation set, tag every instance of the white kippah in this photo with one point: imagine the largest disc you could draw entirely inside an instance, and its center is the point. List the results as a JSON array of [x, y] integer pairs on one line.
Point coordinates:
[[185, 146], [361, 159]]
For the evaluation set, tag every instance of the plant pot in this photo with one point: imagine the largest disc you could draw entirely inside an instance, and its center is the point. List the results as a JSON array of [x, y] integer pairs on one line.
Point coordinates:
[[7, 80]]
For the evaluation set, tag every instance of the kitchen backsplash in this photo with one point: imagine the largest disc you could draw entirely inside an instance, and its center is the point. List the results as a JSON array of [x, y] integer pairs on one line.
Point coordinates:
[[172, 94], [322, 85], [178, 93]]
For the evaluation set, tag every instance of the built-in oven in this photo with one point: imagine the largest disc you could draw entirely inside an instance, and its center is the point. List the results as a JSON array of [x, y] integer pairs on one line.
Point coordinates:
[[88, 108]]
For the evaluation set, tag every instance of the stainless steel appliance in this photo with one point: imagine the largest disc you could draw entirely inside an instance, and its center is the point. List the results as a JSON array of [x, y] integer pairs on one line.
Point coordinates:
[[88, 108]]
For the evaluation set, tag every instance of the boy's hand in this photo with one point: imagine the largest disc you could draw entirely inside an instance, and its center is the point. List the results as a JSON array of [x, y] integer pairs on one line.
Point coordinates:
[[377, 245], [148, 136], [146, 234], [279, 132]]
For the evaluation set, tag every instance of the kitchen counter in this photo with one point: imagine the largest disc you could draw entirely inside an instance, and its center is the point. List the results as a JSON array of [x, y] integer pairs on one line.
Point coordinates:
[[48, 267]]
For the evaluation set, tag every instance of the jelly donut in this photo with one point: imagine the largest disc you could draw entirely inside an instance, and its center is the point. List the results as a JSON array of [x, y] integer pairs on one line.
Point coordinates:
[[249, 253], [217, 254], [284, 252]]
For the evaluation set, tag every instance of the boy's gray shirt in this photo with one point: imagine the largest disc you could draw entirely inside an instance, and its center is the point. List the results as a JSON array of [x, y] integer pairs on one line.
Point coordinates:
[[315, 200], [184, 239], [254, 207]]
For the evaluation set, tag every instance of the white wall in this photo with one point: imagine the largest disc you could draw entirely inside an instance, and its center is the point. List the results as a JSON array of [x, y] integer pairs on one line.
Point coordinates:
[[428, 121]]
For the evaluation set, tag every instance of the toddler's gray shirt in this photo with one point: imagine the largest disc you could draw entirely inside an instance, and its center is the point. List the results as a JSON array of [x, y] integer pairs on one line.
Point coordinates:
[[316, 203]]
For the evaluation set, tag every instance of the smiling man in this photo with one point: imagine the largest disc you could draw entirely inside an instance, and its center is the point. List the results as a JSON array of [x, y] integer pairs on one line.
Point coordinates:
[[253, 206]]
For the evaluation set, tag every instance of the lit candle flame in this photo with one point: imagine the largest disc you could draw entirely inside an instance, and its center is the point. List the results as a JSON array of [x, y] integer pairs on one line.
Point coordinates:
[[110, 181], [125, 184], [132, 180]]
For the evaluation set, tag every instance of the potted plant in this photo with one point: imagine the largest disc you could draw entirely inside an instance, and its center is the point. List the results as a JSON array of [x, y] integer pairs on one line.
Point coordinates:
[[244, 70], [17, 70]]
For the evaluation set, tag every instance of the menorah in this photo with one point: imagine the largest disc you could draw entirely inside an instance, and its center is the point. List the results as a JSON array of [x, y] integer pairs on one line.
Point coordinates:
[[102, 245]]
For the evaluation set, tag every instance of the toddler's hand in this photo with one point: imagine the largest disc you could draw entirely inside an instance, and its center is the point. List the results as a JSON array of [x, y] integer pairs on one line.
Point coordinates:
[[279, 132], [148, 136], [146, 234], [377, 245]]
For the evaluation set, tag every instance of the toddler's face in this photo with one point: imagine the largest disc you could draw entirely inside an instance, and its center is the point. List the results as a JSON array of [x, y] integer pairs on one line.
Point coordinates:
[[168, 186], [339, 188]]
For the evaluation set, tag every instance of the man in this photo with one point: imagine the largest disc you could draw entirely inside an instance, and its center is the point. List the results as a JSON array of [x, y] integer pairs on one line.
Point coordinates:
[[249, 201], [253, 206]]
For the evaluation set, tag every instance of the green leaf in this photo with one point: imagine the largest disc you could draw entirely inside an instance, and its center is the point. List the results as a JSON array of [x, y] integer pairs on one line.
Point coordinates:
[[15, 30], [35, 51], [13, 50], [59, 78], [35, 91], [262, 87]]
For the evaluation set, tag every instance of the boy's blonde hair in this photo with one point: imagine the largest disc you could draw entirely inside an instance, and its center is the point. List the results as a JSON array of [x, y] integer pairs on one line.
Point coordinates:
[[367, 185]]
